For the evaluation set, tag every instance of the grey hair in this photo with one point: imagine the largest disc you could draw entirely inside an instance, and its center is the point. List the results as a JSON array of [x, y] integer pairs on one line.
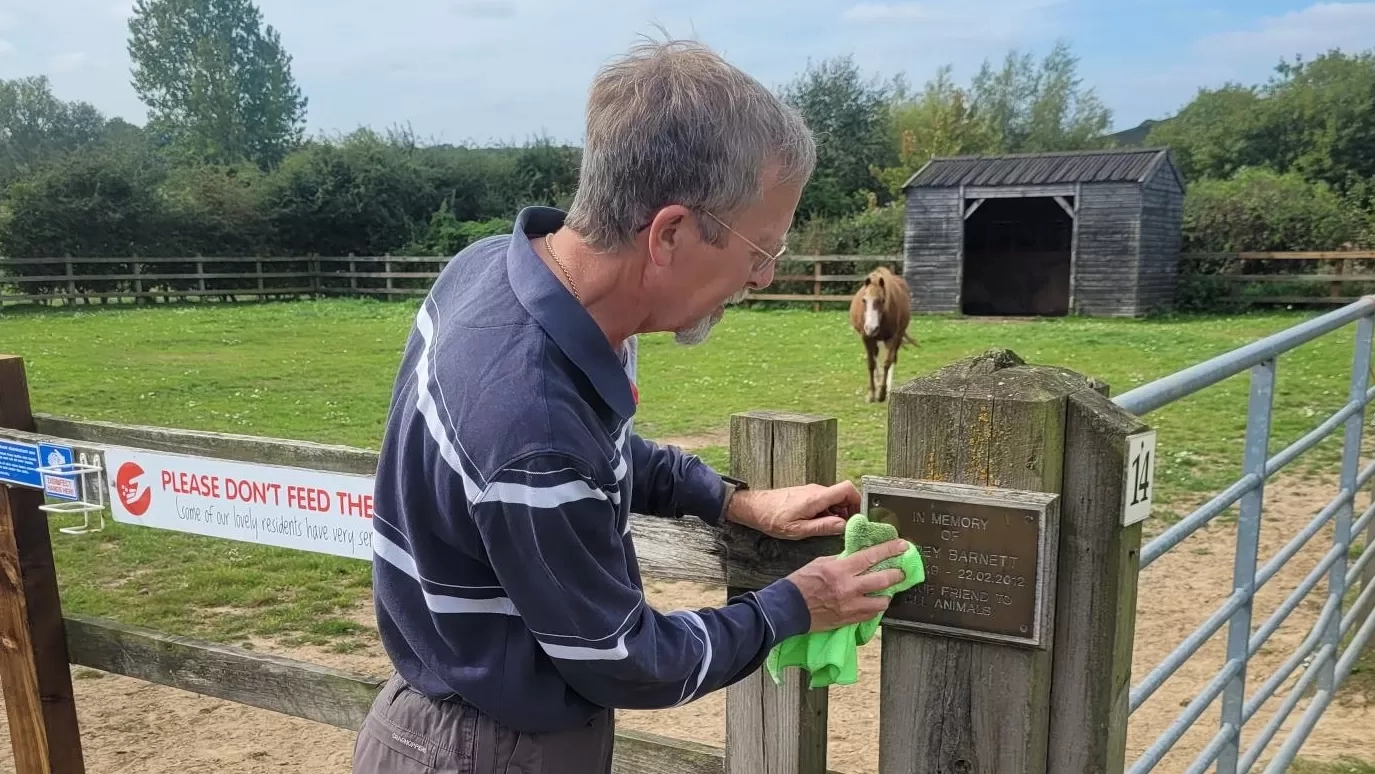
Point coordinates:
[[674, 123]]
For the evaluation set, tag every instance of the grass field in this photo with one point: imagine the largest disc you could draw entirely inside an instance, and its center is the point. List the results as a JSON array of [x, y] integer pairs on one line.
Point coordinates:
[[323, 371]]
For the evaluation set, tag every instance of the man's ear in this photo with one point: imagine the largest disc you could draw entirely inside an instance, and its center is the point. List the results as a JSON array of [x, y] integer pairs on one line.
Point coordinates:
[[668, 233]]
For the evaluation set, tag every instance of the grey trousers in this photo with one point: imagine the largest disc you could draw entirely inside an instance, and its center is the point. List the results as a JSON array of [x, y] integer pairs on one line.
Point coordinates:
[[406, 732]]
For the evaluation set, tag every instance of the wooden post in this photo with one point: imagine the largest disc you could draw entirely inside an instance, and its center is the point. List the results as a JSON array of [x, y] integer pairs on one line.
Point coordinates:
[[137, 269], [778, 729], [816, 285], [34, 670], [958, 704], [1095, 612]]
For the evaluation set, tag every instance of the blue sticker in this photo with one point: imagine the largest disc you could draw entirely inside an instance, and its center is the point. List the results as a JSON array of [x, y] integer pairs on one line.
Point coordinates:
[[19, 464], [57, 486]]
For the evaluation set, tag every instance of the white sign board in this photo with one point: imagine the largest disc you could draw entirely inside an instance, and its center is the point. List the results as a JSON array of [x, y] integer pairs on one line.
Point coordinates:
[[308, 510], [1139, 478]]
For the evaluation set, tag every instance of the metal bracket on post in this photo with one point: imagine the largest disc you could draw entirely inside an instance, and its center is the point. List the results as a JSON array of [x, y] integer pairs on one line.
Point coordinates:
[[91, 480]]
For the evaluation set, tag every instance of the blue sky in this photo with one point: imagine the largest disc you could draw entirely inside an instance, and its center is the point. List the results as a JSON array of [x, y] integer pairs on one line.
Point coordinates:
[[504, 70]]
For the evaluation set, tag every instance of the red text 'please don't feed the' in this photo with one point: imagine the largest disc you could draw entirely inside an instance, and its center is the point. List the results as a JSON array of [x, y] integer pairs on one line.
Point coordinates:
[[274, 493]]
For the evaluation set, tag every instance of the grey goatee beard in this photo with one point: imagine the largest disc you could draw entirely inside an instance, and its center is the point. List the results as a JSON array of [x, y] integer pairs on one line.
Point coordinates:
[[700, 330]]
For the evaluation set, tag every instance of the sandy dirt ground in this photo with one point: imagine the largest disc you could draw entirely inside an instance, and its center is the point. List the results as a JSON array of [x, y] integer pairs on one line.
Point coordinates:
[[130, 726]]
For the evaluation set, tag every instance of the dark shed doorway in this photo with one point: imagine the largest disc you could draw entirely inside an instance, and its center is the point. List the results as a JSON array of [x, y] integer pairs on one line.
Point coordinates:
[[1017, 256]]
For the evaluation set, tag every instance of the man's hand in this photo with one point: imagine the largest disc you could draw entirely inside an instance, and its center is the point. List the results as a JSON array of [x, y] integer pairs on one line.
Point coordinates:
[[837, 590], [796, 512]]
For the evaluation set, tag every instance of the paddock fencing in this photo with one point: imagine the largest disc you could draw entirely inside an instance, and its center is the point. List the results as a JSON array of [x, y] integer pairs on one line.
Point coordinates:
[[1267, 279], [1026, 486], [818, 279]]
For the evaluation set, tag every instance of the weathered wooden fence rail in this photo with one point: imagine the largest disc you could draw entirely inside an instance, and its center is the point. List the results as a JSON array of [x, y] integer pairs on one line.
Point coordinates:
[[1332, 277], [815, 278], [818, 279]]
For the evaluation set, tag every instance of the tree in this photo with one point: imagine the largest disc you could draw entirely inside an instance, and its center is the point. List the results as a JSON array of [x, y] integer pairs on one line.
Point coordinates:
[[1320, 119], [218, 85], [939, 122], [1316, 119], [1031, 110], [850, 119], [1216, 134], [37, 127]]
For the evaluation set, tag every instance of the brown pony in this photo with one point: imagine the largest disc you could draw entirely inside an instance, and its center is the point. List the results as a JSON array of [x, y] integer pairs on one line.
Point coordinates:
[[879, 313]]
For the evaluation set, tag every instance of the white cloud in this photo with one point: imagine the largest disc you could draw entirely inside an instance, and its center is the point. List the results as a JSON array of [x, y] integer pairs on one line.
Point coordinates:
[[1310, 30], [1249, 53], [6, 47]]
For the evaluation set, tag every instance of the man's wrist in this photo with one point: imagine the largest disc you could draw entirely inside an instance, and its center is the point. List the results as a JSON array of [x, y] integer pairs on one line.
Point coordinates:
[[732, 501]]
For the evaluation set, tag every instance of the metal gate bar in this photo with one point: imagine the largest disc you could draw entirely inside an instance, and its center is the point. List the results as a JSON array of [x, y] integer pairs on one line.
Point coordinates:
[[1321, 657]]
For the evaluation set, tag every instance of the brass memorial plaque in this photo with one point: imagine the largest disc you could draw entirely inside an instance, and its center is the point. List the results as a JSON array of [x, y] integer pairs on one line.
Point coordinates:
[[986, 551]]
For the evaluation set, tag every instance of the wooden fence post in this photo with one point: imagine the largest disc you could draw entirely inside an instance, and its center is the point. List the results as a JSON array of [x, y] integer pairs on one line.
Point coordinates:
[[959, 704], [34, 669], [778, 729], [816, 285], [1096, 600]]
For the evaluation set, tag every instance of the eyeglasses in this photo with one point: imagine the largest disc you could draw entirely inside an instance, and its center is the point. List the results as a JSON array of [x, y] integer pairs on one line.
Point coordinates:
[[765, 258]]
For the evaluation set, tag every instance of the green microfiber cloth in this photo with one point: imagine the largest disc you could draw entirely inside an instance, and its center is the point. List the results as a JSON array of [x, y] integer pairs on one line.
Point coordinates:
[[831, 656]]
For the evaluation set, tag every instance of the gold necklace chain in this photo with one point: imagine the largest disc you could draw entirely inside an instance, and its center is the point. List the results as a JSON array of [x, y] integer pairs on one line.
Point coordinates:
[[571, 284]]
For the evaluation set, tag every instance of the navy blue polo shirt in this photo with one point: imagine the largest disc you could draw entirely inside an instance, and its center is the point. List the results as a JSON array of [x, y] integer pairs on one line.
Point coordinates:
[[504, 572]]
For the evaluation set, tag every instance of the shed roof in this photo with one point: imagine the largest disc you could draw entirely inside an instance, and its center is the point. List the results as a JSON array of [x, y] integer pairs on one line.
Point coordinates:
[[1096, 166]]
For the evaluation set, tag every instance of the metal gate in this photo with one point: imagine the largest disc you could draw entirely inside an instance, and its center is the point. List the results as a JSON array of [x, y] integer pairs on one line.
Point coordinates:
[[1321, 656]]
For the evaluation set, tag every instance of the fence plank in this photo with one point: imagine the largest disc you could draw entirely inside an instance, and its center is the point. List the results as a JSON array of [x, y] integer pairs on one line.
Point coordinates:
[[39, 702], [1096, 598], [778, 729], [642, 753], [1318, 255], [675, 549], [138, 275], [169, 293], [304, 690], [951, 704], [794, 269], [1326, 300], [256, 679], [333, 458], [1336, 279]]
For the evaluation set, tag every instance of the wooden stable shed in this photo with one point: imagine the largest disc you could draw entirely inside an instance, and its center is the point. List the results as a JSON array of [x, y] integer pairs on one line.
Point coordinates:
[[1095, 233]]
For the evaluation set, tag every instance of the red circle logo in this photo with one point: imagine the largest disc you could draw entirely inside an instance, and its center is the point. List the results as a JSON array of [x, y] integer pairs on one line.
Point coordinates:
[[134, 492]]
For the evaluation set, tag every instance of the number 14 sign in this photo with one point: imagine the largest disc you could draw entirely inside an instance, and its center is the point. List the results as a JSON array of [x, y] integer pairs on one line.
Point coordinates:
[[1139, 480]]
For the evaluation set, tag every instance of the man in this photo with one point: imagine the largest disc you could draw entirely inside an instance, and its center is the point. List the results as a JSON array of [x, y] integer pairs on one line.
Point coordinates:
[[507, 591]]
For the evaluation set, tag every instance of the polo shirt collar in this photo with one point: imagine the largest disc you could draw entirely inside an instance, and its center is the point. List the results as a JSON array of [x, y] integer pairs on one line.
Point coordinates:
[[560, 315]]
